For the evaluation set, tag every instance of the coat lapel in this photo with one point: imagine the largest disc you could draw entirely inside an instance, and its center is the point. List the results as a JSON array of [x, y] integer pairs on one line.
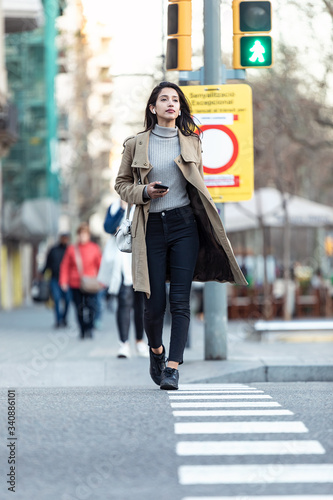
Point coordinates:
[[187, 151], [140, 159]]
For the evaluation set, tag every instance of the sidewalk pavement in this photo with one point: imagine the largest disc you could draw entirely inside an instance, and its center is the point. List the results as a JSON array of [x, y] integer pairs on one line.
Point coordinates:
[[33, 354]]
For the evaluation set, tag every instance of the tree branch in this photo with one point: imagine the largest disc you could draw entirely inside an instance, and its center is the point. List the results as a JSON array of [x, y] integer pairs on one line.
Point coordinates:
[[324, 122], [310, 145]]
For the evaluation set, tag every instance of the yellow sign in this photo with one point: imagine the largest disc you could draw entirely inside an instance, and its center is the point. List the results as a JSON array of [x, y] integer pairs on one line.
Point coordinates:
[[224, 115]]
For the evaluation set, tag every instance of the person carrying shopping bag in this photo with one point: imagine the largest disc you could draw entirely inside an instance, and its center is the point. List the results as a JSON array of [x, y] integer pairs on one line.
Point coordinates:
[[177, 234], [81, 259]]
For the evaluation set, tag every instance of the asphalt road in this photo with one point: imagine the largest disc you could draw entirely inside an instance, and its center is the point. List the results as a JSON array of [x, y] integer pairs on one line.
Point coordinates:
[[122, 444]]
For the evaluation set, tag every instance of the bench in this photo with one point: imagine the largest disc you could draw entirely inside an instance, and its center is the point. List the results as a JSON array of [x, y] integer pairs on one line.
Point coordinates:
[[262, 326]]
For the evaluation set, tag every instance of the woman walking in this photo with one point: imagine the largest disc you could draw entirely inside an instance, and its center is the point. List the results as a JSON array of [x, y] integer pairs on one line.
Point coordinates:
[[81, 259], [176, 231]]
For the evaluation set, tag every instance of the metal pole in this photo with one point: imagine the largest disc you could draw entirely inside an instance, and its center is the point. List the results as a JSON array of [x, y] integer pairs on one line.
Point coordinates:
[[215, 296], [163, 54], [1, 239], [212, 42]]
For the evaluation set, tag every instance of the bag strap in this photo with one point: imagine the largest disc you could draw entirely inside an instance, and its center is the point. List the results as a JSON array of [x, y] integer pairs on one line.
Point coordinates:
[[137, 170], [78, 260], [128, 211]]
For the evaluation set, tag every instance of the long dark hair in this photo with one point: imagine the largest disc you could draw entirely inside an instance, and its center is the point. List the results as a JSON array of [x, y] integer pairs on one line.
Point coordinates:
[[184, 122]]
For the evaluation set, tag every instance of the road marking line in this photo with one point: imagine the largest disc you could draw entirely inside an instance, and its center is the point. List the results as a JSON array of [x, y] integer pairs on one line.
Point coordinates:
[[255, 474], [220, 391], [207, 448], [222, 396], [274, 497], [231, 413], [225, 404], [194, 387], [238, 427]]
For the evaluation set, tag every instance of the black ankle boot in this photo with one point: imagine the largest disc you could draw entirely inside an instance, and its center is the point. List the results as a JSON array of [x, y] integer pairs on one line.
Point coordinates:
[[170, 378], [157, 365]]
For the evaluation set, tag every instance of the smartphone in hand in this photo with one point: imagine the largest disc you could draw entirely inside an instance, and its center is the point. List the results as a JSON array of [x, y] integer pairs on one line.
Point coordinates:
[[162, 187]]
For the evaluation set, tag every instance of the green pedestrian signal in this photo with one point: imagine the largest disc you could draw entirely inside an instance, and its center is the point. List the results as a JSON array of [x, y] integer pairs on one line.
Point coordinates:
[[252, 21], [256, 51]]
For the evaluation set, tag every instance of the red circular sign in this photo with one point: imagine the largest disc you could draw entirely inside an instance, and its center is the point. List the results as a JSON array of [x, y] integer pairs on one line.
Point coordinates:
[[233, 138]]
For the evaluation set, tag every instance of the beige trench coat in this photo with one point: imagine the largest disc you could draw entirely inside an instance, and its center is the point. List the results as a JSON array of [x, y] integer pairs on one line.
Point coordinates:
[[216, 260]]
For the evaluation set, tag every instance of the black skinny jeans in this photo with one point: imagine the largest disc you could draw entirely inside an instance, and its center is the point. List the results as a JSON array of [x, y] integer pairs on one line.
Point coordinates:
[[128, 299], [172, 240]]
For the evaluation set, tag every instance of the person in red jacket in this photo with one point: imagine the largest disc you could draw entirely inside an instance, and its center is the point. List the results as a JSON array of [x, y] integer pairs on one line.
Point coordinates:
[[90, 255]]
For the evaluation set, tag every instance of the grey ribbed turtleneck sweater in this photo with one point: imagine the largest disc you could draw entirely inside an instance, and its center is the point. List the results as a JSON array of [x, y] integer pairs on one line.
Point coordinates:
[[163, 148]]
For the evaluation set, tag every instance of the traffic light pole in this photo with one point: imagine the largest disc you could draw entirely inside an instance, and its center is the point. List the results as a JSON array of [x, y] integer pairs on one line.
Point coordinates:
[[212, 43], [215, 296]]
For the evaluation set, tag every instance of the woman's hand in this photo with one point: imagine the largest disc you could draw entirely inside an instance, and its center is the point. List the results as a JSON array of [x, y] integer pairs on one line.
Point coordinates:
[[154, 192]]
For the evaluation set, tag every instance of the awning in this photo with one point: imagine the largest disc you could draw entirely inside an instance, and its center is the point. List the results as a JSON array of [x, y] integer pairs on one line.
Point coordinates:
[[267, 205], [34, 220]]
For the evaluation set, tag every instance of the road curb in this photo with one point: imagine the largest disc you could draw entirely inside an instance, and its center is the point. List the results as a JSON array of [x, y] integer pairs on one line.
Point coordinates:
[[277, 373]]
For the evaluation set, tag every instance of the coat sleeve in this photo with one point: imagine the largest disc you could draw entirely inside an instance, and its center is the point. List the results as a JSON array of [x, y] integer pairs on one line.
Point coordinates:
[[125, 184], [48, 262], [112, 221]]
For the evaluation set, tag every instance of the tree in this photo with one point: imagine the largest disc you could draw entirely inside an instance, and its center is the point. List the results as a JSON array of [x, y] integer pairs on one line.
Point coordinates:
[[289, 138], [292, 141]]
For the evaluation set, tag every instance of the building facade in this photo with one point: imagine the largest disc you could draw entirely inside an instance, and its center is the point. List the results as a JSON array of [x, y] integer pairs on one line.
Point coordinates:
[[57, 172], [25, 166]]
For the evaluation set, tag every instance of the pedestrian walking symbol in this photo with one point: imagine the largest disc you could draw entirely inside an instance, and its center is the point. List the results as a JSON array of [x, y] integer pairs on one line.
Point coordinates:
[[255, 51], [258, 51]]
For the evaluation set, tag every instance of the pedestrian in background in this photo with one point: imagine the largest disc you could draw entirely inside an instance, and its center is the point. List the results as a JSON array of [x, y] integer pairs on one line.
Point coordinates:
[[116, 274], [90, 255], [177, 234], [61, 298]]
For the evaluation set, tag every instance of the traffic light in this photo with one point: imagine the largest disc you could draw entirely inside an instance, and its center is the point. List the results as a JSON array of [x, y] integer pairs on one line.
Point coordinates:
[[179, 48], [253, 47]]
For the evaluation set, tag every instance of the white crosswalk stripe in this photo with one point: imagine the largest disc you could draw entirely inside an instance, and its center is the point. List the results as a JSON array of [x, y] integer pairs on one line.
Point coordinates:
[[230, 413], [222, 396], [249, 448], [256, 474], [238, 427], [219, 391], [225, 404], [212, 403], [265, 497], [197, 387]]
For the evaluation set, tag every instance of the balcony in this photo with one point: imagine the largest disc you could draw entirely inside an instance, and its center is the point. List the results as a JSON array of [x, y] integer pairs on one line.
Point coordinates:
[[22, 15]]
